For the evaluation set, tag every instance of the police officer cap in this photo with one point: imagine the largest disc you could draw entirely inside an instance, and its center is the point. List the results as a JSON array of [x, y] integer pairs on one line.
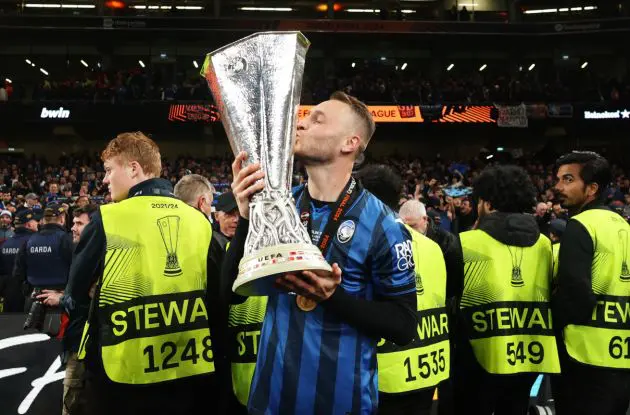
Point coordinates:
[[226, 202], [54, 210], [23, 216]]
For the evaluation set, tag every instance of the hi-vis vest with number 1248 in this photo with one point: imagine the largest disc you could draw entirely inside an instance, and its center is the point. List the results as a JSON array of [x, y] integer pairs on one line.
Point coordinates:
[[505, 304], [151, 311], [425, 361], [245, 322], [605, 340]]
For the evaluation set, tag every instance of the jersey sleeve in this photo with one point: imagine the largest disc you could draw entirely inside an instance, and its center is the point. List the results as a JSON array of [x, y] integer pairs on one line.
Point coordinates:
[[392, 259]]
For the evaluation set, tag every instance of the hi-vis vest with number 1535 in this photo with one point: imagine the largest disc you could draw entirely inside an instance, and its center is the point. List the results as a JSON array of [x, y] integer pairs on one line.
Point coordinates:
[[245, 323], [505, 304], [605, 340], [151, 311], [425, 361]]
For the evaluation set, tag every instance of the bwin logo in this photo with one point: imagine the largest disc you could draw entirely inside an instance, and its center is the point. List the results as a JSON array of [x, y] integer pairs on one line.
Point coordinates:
[[60, 113]]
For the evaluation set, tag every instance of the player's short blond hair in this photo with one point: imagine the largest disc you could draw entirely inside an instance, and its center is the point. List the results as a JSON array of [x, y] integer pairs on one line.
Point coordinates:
[[362, 112]]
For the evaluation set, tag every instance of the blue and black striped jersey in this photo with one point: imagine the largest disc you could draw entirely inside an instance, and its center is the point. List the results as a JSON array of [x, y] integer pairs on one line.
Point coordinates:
[[312, 362]]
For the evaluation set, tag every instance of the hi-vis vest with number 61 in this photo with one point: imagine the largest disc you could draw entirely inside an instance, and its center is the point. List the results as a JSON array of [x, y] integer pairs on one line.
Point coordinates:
[[605, 340], [151, 311], [505, 304], [425, 361]]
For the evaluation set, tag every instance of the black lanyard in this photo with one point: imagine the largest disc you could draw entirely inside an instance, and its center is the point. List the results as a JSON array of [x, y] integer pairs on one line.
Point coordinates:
[[350, 194]]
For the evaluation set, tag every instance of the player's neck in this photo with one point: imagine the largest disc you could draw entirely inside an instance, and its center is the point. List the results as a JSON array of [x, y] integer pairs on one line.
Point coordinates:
[[325, 183]]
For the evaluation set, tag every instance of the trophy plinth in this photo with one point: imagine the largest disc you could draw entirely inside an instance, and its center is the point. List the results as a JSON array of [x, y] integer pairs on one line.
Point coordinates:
[[256, 83]]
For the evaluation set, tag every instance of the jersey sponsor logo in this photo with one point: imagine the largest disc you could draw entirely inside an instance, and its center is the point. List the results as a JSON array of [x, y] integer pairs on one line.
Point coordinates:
[[346, 231], [169, 230], [404, 256], [10, 251], [41, 250]]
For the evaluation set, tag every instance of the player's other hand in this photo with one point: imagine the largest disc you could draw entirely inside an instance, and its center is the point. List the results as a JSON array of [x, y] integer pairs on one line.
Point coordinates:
[[317, 285]]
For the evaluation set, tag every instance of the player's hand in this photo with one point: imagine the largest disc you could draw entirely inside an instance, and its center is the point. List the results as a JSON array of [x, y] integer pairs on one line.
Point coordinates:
[[50, 298], [247, 181], [316, 285]]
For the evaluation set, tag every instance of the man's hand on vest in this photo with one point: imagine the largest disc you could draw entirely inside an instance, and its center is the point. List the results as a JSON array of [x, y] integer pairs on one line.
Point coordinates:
[[316, 285]]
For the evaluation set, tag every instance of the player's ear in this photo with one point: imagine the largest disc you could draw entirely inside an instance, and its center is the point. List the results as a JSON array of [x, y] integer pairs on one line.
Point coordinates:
[[351, 144]]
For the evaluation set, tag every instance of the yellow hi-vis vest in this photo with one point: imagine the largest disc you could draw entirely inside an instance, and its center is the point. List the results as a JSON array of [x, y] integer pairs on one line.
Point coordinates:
[[425, 361], [244, 326], [605, 340], [505, 304], [153, 323]]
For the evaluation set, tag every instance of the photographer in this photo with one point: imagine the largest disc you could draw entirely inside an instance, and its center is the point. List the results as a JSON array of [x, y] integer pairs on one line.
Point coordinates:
[[44, 263]]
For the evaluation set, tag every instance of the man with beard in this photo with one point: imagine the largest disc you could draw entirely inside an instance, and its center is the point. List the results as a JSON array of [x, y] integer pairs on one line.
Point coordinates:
[[591, 302], [6, 231], [317, 351], [505, 335], [72, 336]]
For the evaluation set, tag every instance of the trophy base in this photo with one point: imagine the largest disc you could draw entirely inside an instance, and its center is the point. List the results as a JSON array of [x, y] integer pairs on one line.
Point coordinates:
[[256, 271]]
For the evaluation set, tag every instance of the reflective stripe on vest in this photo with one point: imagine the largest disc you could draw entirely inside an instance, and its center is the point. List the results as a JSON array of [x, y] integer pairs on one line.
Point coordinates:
[[245, 324], [151, 310], [424, 362], [505, 304], [605, 340]]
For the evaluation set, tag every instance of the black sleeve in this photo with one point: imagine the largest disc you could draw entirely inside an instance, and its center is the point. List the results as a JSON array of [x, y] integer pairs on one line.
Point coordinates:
[[233, 256], [391, 318], [573, 300], [87, 262], [454, 260]]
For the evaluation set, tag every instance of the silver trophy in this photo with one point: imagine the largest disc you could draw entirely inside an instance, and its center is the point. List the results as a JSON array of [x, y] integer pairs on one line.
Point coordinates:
[[256, 83]]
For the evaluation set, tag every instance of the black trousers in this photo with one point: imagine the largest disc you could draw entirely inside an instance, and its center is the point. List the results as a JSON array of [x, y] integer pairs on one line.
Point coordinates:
[[477, 392], [586, 390], [415, 403]]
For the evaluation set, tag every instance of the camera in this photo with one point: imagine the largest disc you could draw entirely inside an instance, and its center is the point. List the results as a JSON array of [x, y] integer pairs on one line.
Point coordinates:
[[36, 314]]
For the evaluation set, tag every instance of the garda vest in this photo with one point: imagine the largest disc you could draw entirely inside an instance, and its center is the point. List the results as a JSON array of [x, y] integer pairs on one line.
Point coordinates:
[[10, 249], [45, 264], [505, 304], [245, 324], [153, 323], [605, 340], [425, 361]]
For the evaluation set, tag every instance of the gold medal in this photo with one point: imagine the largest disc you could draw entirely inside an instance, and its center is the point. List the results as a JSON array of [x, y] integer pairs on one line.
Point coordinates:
[[305, 304]]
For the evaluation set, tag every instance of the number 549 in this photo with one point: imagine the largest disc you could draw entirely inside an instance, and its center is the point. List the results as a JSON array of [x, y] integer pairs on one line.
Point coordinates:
[[516, 351]]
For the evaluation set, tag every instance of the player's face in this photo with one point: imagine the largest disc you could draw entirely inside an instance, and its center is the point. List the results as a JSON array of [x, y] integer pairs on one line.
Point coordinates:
[[320, 135], [572, 190], [118, 179]]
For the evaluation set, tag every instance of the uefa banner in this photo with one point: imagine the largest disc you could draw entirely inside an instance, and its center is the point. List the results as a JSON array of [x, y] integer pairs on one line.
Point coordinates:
[[31, 373]]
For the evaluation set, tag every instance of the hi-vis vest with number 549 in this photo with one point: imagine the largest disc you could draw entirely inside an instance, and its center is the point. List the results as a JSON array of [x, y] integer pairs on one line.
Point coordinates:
[[605, 340], [153, 323], [425, 361], [505, 304]]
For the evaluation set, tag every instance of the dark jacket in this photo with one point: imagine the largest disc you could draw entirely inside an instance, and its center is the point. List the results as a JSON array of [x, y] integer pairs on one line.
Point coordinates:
[[10, 288], [453, 257], [573, 299], [88, 266], [48, 269]]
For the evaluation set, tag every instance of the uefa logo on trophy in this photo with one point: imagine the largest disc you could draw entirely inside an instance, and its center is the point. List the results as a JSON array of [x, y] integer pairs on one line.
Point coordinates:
[[169, 230], [256, 83]]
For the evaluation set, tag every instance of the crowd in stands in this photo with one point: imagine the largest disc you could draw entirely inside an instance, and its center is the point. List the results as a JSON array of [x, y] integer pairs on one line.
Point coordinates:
[[377, 83], [443, 186]]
